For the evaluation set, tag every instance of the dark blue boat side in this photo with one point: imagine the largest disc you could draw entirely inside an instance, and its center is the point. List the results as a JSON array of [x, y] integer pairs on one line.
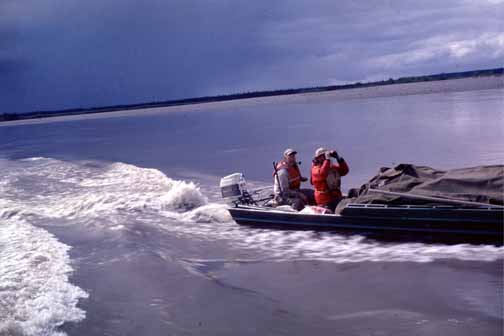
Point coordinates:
[[440, 221]]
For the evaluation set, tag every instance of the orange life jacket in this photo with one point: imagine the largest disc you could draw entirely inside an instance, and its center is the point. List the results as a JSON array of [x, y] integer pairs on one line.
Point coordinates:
[[294, 174], [326, 180]]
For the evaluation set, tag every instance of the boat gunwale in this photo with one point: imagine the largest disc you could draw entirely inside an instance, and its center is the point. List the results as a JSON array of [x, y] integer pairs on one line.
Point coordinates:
[[255, 215], [371, 207]]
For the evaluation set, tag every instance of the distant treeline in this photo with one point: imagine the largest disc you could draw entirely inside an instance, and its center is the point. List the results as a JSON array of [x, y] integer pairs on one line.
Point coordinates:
[[256, 94]]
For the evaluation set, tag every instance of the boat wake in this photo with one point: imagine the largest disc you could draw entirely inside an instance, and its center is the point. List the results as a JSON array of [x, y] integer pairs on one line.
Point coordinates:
[[49, 188], [36, 296], [118, 196]]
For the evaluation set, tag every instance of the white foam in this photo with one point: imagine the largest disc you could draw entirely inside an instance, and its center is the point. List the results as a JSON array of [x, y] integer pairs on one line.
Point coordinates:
[[36, 296], [115, 195], [183, 196], [78, 191], [343, 249], [211, 213]]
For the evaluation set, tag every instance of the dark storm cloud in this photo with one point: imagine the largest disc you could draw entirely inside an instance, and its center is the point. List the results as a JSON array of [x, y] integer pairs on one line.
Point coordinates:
[[58, 54]]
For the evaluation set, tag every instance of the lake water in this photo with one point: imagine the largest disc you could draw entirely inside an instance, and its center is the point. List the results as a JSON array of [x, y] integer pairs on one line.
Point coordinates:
[[113, 224]]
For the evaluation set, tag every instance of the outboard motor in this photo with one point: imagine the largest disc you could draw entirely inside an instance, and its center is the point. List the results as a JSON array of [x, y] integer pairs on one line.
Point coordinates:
[[234, 189]]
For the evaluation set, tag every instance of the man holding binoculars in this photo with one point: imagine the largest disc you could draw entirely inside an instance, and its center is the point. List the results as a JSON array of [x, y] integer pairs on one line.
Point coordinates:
[[326, 177]]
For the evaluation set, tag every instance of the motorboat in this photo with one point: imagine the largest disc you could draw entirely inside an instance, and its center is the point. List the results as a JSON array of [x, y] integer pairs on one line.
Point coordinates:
[[415, 215]]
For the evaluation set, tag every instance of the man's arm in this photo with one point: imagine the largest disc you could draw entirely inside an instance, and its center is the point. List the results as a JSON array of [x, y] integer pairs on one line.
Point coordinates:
[[342, 166], [343, 169], [324, 169], [283, 178]]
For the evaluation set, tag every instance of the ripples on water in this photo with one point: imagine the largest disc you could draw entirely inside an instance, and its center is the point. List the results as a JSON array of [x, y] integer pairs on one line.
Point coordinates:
[[87, 193], [36, 294], [126, 201]]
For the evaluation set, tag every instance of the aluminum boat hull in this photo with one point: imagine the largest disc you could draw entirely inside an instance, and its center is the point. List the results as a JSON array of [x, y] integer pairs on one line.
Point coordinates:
[[440, 222]]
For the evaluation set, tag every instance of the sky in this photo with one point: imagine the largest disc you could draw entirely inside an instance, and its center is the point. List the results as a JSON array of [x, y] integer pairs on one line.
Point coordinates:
[[58, 54]]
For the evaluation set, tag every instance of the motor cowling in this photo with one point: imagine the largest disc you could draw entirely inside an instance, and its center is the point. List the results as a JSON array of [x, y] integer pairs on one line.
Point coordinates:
[[233, 187]]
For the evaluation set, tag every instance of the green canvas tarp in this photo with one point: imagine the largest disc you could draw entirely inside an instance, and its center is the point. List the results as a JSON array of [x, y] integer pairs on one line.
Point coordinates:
[[483, 184]]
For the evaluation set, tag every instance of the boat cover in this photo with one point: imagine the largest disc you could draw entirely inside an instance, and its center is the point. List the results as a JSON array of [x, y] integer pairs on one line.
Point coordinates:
[[483, 184]]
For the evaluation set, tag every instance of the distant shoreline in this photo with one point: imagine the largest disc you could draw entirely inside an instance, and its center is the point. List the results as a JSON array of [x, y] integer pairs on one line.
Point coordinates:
[[498, 72]]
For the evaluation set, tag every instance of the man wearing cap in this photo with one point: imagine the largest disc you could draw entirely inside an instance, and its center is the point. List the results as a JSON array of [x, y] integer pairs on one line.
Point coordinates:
[[326, 177], [287, 182]]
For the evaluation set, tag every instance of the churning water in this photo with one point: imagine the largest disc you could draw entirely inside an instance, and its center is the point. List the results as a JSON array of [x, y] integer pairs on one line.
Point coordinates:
[[117, 222]]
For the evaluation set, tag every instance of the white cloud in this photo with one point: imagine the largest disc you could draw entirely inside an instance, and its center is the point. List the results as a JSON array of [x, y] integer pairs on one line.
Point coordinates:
[[88, 51], [494, 43], [484, 46]]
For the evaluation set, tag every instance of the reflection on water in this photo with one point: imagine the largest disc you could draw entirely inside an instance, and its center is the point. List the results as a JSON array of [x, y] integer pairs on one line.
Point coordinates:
[[122, 197], [441, 130], [136, 197]]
